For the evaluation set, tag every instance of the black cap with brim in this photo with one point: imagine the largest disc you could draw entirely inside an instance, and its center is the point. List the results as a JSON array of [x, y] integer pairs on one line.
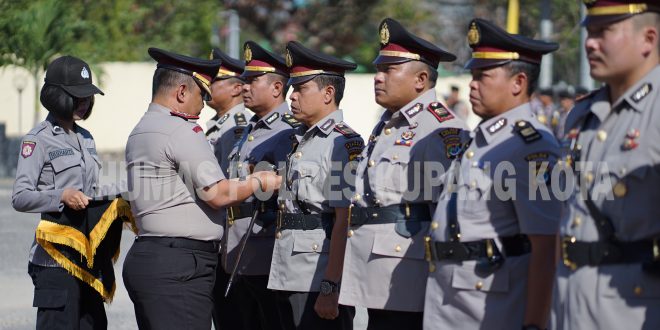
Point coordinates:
[[230, 68], [397, 45], [259, 61], [304, 64], [605, 12], [73, 75], [201, 70], [492, 46], [82, 91]]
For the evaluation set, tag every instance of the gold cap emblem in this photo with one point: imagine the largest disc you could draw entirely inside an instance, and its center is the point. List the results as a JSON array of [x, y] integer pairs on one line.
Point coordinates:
[[289, 59], [473, 35], [247, 54], [384, 34], [211, 55]]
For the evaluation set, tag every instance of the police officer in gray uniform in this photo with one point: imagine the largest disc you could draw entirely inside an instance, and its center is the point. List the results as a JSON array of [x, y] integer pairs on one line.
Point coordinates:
[[309, 250], [230, 120], [223, 131], [266, 141], [58, 168], [397, 183], [609, 273], [494, 232], [176, 188]]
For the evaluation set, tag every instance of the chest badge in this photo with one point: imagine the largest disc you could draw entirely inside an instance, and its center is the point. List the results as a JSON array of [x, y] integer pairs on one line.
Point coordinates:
[[630, 141]]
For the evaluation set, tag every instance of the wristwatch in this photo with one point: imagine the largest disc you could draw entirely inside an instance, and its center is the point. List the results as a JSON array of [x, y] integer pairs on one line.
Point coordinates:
[[328, 287]]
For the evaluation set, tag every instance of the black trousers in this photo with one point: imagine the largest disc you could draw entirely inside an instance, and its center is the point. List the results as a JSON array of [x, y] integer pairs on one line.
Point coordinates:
[[380, 319], [171, 287], [296, 310], [258, 304], [64, 302], [226, 314]]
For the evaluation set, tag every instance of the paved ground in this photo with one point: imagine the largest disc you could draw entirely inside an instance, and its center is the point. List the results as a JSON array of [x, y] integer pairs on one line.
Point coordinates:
[[16, 235]]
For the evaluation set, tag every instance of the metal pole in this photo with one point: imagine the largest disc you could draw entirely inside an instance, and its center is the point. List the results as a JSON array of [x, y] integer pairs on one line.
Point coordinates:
[[512, 17], [232, 42], [20, 111], [545, 77], [585, 76]]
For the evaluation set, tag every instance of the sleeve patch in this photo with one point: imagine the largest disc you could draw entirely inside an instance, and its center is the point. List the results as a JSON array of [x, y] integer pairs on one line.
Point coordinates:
[[439, 112], [27, 148], [452, 141], [354, 149]]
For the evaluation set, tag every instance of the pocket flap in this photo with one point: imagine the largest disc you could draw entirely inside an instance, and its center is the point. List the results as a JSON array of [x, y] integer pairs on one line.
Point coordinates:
[[313, 241], [62, 163], [397, 156], [393, 245], [49, 298], [467, 279], [308, 169]]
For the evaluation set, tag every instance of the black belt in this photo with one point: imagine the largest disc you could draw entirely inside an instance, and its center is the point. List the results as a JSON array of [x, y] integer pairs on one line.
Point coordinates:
[[302, 221], [181, 242], [578, 253], [246, 210], [389, 214], [476, 250]]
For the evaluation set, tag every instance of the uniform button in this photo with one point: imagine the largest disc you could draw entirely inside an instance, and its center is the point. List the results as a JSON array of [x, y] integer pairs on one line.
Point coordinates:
[[473, 184], [620, 189], [576, 221], [601, 135], [479, 285], [357, 197], [589, 177], [397, 248], [622, 171], [240, 166], [469, 154], [230, 222], [395, 157], [250, 137], [431, 267], [278, 235], [315, 247], [434, 225], [637, 290], [388, 131], [377, 202], [350, 233], [374, 215], [282, 206], [371, 163]]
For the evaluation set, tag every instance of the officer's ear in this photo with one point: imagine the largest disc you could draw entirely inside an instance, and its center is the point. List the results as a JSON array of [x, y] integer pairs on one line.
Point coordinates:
[[278, 87], [181, 93], [421, 75], [236, 88], [329, 92], [519, 83]]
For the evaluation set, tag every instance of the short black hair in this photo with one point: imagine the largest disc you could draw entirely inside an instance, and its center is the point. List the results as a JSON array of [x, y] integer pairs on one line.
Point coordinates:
[[283, 79], [165, 79], [529, 69], [338, 82]]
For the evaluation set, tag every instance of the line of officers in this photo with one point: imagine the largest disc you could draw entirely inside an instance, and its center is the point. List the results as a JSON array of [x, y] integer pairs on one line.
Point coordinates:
[[406, 223]]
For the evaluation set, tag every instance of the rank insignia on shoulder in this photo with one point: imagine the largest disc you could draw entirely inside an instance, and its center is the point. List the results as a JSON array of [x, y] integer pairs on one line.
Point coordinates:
[[240, 120], [642, 92], [223, 119], [527, 131], [272, 118], [400, 142], [407, 135], [414, 110], [27, 148], [184, 116], [354, 149], [287, 118], [197, 129], [497, 126], [345, 130], [439, 112]]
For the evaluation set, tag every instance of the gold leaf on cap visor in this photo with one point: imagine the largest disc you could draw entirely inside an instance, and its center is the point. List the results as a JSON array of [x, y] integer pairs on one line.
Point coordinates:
[[400, 54], [634, 8], [496, 55]]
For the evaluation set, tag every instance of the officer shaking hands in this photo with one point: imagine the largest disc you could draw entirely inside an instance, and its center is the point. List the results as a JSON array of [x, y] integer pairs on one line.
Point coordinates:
[[175, 189], [397, 182], [609, 274], [493, 236], [309, 248]]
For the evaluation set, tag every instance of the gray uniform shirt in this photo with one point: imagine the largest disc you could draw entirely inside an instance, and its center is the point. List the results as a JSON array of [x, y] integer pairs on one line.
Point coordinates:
[[225, 131], [50, 161], [268, 139], [167, 159], [499, 193], [620, 155], [318, 174], [383, 269]]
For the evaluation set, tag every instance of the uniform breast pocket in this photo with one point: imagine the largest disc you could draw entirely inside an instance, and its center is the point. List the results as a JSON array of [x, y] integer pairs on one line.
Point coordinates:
[[393, 245], [310, 242], [392, 170], [67, 170], [307, 176], [476, 187]]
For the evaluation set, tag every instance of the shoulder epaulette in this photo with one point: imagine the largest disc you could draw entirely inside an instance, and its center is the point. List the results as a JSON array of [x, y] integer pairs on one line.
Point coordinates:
[[240, 120], [527, 131], [439, 111], [345, 130], [40, 127], [287, 118]]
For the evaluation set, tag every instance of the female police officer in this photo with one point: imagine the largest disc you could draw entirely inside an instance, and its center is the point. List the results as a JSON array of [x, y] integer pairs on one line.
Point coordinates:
[[58, 168]]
